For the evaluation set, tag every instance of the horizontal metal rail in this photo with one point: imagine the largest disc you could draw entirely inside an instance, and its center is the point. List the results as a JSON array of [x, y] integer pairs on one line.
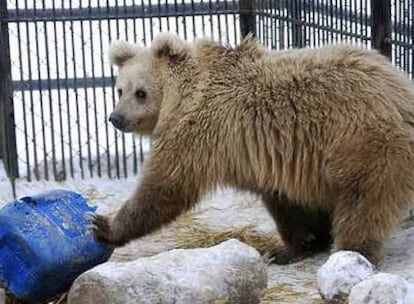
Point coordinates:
[[124, 12], [177, 10], [62, 83]]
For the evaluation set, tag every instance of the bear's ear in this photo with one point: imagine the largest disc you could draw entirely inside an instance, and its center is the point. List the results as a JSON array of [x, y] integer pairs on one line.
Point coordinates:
[[170, 46], [120, 51]]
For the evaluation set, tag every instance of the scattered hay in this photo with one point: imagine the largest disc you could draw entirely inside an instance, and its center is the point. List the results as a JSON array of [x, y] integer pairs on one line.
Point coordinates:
[[196, 236], [285, 293], [61, 300], [282, 292]]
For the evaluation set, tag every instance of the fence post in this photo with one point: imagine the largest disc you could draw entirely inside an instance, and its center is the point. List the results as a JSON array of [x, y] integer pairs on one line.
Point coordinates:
[[381, 26], [7, 128], [247, 11], [294, 10]]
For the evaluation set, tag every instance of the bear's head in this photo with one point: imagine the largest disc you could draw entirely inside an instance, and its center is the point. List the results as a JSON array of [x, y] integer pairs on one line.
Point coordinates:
[[140, 83]]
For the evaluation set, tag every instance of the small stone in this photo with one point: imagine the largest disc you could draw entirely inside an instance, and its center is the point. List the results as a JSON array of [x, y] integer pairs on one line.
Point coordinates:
[[232, 272], [382, 288], [2, 296], [340, 273]]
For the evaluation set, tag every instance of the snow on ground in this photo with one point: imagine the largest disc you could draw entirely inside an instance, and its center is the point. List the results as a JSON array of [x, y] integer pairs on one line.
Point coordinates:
[[225, 209]]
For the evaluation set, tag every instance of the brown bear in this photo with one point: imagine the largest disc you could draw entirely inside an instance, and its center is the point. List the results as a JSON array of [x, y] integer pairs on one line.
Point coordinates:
[[324, 135]]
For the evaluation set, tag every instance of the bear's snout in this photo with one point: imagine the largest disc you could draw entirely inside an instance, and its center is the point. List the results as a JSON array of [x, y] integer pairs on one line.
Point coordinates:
[[117, 120]]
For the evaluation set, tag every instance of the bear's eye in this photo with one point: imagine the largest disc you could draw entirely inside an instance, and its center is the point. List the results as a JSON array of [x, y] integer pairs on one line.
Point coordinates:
[[140, 94], [119, 92]]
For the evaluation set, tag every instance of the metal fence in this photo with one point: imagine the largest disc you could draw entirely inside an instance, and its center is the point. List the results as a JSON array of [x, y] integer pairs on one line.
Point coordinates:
[[56, 84]]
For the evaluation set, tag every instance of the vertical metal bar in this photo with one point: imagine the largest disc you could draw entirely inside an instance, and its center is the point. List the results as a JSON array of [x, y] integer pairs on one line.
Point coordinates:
[[86, 108], [218, 21], [203, 22], [294, 14], [260, 23], [159, 15], [282, 25], [193, 18], [124, 157], [300, 14], [352, 10], [316, 12], [406, 34], [412, 38], [288, 25], [247, 17], [42, 118], [266, 25], [150, 19], [184, 19], [113, 91], [397, 58], [381, 26], [176, 17], [274, 24], [8, 135], [264, 22], [350, 22], [49, 91], [80, 145], [401, 35], [144, 30], [105, 105], [98, 156], [62, 174], [406, 37], [331, 15], [26, 131], [68, 103], [167, 17], [366, 19], [235, 32], [134, 144], [269, 30], [210, 12], [361, 16], [324, 22], [338, 17], [31, 97]]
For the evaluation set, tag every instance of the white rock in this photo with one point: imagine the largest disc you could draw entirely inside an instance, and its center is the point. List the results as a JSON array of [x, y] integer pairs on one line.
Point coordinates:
[[382, 288], [341, 272], [231, 271], [2, 296]]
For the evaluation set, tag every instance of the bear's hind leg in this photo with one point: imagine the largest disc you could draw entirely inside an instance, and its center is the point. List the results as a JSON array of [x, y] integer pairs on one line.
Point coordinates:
[[303, 230], [363, 225], [371, 203]]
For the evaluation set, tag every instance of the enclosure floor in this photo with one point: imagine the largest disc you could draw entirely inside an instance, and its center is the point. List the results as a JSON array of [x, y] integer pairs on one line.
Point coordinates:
[[222, 211]]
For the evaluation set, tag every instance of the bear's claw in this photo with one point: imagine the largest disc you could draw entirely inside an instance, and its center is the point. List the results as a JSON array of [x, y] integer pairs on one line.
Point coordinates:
[[101, 228]]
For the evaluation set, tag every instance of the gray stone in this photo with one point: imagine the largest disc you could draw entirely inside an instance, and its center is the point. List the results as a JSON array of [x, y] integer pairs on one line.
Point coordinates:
[[232, 272], [382, 288], [2, 296], [340, 273]]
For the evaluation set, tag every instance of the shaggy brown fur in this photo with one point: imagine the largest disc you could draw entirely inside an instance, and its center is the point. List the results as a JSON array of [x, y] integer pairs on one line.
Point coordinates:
[[324, 135]]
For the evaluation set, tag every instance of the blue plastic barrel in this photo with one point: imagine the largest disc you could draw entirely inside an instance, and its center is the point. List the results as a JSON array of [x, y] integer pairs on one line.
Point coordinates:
[[45, 243]]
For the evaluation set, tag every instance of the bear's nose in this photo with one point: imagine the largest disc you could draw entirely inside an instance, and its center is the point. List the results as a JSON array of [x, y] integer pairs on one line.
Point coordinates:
[[117, 120]]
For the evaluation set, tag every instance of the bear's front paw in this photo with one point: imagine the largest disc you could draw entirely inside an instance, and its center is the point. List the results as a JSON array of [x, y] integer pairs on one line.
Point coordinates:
[[280, 255], [103, 230]]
